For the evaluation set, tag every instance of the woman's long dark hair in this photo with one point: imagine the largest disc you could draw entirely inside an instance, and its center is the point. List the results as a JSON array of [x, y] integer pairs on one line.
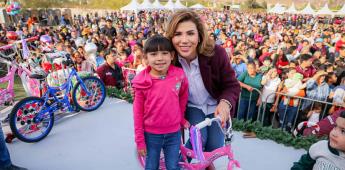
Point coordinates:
[[277, 57]]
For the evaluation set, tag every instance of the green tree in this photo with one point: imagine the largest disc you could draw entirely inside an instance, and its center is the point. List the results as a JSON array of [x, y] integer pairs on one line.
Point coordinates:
[[264, 4]]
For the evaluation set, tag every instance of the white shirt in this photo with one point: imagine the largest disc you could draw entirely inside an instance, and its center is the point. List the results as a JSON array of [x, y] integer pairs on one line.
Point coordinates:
[[315, 117], [198, 95], [269, 88]]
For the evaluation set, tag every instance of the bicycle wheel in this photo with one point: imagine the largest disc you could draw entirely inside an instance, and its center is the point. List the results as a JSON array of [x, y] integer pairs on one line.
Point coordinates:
[[97, 90], [25, 122]]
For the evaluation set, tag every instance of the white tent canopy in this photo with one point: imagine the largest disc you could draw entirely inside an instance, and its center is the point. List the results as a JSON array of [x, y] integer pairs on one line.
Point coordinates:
[[341, 11], [292, 9], [132, 6], [325, 11], [197, 6], [157, 5], [170, 5], [179, 5], [307, 10], [278, 8], [146, 5]]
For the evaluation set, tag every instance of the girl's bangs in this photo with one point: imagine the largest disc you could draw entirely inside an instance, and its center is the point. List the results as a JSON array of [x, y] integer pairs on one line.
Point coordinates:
[[158, 44]]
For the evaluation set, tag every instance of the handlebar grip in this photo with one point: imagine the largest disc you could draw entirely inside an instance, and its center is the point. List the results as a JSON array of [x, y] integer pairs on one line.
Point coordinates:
[[204, 123], [31, 39], [6, 47]]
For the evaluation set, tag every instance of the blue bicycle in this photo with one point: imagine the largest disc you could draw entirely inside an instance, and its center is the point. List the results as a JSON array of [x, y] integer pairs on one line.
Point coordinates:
[[32, 118]]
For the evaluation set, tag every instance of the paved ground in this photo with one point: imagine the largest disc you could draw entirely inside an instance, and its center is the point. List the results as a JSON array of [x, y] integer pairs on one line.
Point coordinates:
[[103, 140]]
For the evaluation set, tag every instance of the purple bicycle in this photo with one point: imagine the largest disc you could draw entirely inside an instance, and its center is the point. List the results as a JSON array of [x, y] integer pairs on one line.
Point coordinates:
[[200, 159]]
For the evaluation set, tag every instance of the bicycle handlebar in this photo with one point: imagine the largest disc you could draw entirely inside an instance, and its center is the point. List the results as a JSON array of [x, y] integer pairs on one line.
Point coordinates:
[[8, 46], [206, 122], [5, 61]]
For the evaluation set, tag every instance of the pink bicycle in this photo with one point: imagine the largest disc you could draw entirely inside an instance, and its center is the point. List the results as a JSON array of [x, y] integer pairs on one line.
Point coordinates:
[[31, 86], [200, 159]]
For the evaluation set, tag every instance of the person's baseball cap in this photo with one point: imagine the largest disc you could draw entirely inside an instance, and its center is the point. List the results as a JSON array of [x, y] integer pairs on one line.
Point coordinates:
[[318, 40]]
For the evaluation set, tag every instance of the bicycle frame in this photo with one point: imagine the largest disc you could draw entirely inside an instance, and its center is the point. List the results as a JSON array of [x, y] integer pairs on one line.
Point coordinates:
[[30, 87], [207, 157], [6, 95], [59, 103]]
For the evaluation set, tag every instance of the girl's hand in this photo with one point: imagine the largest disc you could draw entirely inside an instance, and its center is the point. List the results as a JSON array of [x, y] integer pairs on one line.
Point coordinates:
[[186, 125], [142, 152], [223, 111]]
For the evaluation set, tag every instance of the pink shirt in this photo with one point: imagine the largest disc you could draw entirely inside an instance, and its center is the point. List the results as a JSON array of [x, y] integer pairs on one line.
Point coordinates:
[[159, 103]]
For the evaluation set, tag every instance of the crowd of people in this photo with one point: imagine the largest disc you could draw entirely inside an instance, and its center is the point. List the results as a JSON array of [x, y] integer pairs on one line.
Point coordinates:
[[292, 54], [296, 55]]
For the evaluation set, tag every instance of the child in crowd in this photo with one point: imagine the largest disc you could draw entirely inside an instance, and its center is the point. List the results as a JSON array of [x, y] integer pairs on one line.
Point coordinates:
[[142, 66], [122, 59], [287, 108], [314, 115], [270, 82], [267, 65], [338, 96], [100, 58], [326, 154], [158, 90]]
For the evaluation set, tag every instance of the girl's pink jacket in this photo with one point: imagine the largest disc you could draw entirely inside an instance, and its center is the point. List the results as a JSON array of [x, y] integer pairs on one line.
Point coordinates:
[[159, 103]]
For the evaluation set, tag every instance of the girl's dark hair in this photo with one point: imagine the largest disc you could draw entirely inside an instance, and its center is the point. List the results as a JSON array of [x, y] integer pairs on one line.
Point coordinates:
[[317, 106], [158, 43], [251, 63]]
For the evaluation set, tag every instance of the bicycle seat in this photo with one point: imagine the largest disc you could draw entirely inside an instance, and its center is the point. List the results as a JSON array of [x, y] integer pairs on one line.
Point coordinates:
[[38, 76]]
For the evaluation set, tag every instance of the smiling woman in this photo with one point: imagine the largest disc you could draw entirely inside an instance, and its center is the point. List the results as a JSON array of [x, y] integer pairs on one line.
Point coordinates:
[[213, 87]]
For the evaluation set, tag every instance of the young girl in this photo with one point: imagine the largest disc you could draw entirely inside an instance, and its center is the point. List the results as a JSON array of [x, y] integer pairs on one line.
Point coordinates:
[[314, 115], [161, 94]]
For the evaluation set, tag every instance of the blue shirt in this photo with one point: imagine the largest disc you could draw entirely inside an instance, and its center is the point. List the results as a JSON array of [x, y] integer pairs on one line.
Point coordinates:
[[99, 61], [239, 68]]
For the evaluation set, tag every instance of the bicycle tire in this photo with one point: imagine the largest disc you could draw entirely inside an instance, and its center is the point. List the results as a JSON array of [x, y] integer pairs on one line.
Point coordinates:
[[100, 85], [17, 109]]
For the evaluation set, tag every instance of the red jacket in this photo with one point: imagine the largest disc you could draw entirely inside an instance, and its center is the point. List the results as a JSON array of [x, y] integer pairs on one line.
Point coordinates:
[[110, 76]]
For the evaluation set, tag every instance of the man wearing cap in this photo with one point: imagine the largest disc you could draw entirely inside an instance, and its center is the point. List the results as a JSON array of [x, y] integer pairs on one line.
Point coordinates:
[[110, 72], [109, 30], [319, 46]]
